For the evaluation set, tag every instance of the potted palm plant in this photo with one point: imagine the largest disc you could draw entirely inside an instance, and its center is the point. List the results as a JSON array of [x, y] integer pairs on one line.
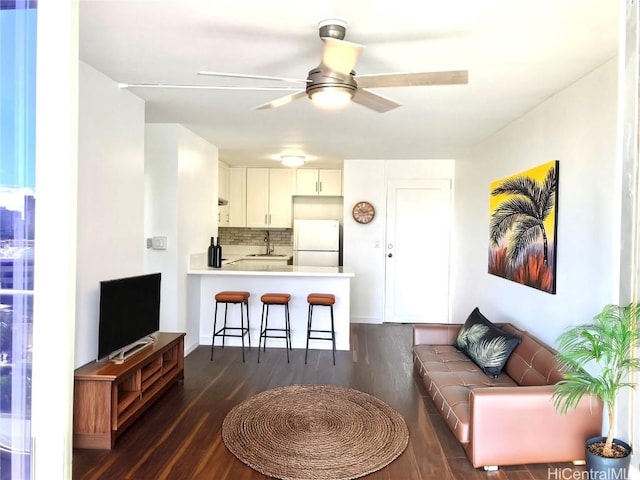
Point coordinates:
[[598, 358]]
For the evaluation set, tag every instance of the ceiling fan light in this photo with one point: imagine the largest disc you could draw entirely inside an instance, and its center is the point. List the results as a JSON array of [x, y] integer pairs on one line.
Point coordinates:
[[292, 160], [331, 97]]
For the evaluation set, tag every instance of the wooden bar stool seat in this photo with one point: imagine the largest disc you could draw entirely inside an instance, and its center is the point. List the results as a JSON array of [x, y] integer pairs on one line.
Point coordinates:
[[323, 300], [231, 297], [269, 299]]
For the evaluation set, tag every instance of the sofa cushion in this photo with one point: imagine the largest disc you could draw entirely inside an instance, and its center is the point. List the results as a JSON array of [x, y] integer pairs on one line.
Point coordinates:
[[486, 344], [443, 358], [448, 376], [532, 362]]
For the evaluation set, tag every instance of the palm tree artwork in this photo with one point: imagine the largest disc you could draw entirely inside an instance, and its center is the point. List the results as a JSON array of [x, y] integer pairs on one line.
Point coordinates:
[[522, 227]]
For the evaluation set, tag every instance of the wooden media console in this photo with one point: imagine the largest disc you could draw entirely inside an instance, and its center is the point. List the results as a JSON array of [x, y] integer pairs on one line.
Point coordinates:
[[108, 397]]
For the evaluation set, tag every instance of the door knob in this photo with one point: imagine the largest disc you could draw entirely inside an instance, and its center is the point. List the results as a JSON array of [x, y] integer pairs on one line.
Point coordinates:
[[390, 255]]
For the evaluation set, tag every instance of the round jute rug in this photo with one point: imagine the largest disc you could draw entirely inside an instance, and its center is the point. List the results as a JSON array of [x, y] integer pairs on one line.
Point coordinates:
[[319, 432]]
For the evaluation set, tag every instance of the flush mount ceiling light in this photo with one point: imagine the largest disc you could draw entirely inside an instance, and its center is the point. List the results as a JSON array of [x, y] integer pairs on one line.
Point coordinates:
[[292, 160]]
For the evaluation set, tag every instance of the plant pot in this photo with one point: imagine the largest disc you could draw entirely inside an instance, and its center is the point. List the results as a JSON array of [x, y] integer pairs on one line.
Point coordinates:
[[604, 468]]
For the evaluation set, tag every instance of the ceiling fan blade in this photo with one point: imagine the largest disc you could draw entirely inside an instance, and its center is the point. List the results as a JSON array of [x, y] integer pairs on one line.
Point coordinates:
[[374, 101], [279, 102], [339, 55], [254, 77], [453, 77], [205, 87]]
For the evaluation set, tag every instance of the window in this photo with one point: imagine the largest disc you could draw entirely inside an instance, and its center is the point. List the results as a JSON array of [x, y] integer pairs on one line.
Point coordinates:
[[17, 210]]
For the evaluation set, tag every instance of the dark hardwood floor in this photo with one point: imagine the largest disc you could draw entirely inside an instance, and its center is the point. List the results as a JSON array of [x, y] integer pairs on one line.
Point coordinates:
[[179, 436]]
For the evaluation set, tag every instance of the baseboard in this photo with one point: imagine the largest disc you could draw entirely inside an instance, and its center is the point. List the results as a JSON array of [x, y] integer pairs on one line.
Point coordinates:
[[299, 343], [374, 320], [190, 348]]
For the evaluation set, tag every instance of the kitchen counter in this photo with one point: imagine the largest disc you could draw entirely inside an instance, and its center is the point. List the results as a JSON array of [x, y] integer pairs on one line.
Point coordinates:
[[265, 276], [261, 266]]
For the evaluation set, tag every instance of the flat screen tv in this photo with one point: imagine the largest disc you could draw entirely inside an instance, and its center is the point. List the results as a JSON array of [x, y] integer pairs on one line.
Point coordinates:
[[129, 313]]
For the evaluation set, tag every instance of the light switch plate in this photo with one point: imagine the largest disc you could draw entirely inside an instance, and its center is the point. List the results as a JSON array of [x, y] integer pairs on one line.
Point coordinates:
[[159, 243]]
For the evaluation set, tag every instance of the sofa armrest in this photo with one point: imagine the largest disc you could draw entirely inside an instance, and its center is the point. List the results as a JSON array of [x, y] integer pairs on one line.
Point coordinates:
[[519, 425], [435, 334]]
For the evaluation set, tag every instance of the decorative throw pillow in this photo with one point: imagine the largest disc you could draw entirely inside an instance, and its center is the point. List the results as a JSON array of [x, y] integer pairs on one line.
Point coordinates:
[[486, 344]]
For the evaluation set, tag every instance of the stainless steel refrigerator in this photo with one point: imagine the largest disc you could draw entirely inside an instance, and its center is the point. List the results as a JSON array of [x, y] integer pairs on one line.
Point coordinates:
[[316, 242]]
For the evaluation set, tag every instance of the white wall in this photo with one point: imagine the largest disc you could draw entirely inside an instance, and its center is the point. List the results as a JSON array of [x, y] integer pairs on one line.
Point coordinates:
[[364, 180], [181, 203], [161, 213], [364, 251], [577, 127], [318, 208], [110, 196], [120, 204]]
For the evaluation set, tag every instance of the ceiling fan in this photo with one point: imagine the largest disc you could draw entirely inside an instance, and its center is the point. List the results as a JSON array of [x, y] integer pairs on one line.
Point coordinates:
[[333, 83]]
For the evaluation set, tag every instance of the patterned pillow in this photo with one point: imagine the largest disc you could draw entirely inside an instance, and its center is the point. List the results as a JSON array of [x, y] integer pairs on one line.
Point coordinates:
[[484, 343]]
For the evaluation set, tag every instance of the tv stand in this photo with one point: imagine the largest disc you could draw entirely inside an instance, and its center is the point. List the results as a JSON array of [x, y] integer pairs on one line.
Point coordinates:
[[108, 397]]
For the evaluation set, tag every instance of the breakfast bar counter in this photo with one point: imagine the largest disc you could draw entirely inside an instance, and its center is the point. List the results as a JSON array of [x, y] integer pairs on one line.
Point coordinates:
[[259, 276]]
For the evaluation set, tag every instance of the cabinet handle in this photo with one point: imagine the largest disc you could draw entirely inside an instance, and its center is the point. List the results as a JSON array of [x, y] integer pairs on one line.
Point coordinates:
[[316, 187], [320, 190], [265, 219], [269, 219], [218, 217]]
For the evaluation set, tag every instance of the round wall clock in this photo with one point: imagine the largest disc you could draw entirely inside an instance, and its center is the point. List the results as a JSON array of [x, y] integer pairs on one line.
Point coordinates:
[[363, 212]]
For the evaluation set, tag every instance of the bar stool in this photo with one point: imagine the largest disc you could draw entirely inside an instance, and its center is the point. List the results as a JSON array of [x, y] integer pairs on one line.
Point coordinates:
[[325, 300], [275, 299], [228, 297]]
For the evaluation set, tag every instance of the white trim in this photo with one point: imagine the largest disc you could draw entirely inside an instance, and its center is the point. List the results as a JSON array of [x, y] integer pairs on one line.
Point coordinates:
[[55, 250], [360, 319]]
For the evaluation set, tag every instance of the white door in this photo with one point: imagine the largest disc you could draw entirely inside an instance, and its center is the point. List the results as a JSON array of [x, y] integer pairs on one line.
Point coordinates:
[[417, 249]]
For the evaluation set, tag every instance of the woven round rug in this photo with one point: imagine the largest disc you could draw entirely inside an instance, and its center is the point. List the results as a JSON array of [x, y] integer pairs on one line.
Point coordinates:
[[319, 432]]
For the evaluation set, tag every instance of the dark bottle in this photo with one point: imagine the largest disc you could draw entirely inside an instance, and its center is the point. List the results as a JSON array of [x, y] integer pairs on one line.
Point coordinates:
[[211, 253], [217, 255]]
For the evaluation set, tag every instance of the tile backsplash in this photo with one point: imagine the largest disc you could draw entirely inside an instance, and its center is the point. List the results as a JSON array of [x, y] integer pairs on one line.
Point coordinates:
[[254, 236]]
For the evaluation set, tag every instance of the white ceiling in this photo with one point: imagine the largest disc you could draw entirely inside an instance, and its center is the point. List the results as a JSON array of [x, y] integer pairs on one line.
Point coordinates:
[[517, 52]]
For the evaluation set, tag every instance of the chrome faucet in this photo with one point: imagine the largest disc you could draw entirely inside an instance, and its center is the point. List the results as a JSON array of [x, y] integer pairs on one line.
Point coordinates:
[[267, 240]]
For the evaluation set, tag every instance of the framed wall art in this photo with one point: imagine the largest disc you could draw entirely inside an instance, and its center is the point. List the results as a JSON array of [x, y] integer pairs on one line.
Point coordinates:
[[523, 226]]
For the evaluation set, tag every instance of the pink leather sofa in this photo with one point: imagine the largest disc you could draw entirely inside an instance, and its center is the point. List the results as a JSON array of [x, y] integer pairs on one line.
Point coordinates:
[[510, 420]]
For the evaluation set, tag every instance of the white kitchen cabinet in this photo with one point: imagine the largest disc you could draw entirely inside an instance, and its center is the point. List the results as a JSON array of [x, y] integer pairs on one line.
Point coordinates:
[[322, 181], [257, 197], [269, 197], [223, 194], [237, 197], [280, 197]]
